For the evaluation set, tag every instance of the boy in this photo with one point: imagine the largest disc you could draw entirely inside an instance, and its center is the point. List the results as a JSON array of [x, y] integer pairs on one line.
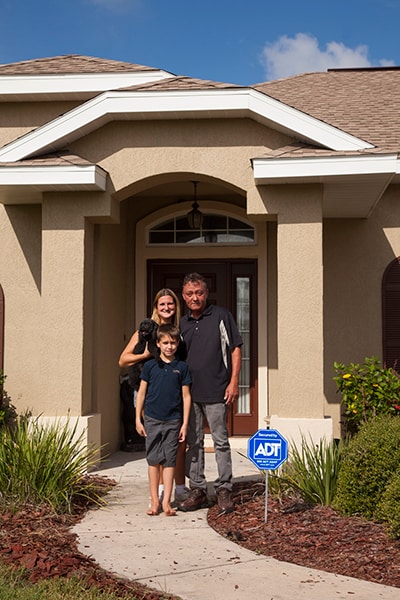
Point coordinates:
[[164, 387]]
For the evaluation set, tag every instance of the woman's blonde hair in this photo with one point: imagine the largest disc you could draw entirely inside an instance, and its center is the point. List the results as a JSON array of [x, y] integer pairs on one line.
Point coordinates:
[[160, 294]]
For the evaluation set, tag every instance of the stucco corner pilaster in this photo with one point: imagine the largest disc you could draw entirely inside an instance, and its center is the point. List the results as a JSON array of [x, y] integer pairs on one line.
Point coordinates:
[[300, 306]]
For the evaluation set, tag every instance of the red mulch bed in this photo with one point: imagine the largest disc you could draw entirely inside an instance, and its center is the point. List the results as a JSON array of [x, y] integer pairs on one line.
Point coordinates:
[[316, 537], [42, 542]]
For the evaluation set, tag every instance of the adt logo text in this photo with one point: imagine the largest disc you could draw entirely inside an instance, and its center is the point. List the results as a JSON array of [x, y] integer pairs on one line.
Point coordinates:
[[268, 449]]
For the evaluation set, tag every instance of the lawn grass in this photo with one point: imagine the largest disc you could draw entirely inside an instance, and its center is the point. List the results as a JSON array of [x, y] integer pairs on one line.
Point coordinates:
[[15, 585]]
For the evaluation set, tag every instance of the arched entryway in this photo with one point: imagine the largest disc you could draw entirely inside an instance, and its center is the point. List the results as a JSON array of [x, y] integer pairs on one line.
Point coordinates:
[[226, 251]]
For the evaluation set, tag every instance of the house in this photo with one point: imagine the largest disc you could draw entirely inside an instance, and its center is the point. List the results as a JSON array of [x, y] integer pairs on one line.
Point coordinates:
[[297, 183]]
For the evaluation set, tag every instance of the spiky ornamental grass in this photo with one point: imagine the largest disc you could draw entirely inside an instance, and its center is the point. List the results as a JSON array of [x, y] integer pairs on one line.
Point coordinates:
[[44, 464], [311, 471]]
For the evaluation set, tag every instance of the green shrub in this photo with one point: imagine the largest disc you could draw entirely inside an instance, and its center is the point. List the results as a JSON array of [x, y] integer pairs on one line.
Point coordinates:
[[311, 471], [369, 461], [388, 507], [44, 464], [368, 390], [8, 413]]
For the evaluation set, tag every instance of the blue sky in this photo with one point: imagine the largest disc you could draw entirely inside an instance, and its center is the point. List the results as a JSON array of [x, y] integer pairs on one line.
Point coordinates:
[[235, 41]]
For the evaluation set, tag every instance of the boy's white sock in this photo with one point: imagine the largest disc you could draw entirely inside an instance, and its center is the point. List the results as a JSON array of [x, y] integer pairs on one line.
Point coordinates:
[[160, 490], [179, 488]]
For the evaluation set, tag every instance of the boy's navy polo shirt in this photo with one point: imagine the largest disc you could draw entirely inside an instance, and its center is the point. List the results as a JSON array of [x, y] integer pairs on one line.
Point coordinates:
[[163, 399], [209, 342]]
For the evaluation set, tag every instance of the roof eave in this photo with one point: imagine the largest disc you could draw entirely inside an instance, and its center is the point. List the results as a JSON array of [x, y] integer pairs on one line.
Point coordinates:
[[352, 185], [75, 85], [26, 184]]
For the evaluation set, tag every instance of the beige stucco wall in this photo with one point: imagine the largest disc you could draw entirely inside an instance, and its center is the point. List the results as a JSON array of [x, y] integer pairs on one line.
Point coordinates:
[[356, 254], [295, 302], [135, 151], [19, 118], [110, 282], [20, 275]]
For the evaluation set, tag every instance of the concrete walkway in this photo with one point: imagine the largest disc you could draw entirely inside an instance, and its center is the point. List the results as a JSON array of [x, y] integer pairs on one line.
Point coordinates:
[[183, 556]]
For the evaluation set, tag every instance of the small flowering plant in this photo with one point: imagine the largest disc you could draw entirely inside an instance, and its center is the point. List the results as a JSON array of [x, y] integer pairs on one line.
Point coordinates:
[[367, 390]]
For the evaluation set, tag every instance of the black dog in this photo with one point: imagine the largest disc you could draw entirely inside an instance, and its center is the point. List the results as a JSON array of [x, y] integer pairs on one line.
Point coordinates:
[[147, 335]]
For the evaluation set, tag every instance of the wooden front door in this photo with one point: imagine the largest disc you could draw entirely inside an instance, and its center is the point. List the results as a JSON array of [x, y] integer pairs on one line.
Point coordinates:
[[231, 284]]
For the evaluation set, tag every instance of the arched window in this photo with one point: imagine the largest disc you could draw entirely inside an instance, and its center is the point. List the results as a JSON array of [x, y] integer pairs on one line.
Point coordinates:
[[391, 315], [215, 229]]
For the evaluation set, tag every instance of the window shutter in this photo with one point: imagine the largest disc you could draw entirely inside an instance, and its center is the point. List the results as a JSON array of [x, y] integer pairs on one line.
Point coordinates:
[[391, 315]]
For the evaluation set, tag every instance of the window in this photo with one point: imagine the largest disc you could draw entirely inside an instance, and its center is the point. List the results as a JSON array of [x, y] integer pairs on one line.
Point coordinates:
[[391, 315], [243, 322], [216, 229]]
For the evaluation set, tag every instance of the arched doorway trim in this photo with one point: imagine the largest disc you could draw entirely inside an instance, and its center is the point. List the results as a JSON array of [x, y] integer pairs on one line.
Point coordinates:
[[145, 251]]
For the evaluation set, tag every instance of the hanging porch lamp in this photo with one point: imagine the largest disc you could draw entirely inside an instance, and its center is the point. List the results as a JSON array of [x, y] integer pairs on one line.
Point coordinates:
[[195, 216]]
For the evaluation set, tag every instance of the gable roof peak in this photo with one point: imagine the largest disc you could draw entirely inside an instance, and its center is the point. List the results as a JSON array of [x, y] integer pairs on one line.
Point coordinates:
[[182, 82]]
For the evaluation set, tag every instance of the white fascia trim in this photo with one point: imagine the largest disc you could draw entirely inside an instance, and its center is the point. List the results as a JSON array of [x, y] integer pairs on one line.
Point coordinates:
[[16, 85], [304, 125], [175, 104], [69, 175], [286, 169]]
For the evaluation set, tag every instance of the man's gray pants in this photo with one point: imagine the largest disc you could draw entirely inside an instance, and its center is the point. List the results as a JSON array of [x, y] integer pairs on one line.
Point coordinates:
[[216, 418]]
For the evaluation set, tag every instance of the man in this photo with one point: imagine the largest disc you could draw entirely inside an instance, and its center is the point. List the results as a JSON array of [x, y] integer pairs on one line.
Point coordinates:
[[213, 345]]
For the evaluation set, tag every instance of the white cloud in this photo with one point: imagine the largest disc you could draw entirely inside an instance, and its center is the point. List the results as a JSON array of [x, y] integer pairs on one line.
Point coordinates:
[[301, 54]]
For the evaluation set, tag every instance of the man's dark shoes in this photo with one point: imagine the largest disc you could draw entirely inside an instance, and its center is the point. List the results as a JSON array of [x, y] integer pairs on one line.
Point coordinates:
[[196, 499], [225, 503]]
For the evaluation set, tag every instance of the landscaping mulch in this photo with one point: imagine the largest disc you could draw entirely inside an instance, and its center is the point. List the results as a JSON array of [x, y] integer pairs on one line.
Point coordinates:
[[311, 536]]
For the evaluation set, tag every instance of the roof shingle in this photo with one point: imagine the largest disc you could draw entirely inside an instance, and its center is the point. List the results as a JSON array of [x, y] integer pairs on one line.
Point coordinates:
[[70, 63], [182, 83], [362, 102]]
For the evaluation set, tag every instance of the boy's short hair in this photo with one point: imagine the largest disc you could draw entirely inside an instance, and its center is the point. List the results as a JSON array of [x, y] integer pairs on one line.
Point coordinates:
[[168, 330]]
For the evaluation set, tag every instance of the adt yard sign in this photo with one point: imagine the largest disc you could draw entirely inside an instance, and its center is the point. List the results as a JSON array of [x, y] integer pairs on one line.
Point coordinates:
[[267, 449]]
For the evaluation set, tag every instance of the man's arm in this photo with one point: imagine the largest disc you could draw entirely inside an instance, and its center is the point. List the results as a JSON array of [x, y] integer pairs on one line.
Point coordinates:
[[232, 390]]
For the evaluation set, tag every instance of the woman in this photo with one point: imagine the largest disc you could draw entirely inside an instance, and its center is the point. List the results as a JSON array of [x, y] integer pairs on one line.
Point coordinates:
[[166, 309]]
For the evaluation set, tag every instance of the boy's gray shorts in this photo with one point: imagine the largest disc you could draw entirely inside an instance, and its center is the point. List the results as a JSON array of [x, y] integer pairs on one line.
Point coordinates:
[[161, 441]]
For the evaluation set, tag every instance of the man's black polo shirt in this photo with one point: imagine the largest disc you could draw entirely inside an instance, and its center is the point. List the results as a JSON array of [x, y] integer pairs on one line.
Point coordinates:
[[209, 341]]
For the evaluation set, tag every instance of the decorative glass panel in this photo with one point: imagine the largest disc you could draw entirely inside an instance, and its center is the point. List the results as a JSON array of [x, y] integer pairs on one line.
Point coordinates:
[[243, 321], [216, 229], [161, 237]]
